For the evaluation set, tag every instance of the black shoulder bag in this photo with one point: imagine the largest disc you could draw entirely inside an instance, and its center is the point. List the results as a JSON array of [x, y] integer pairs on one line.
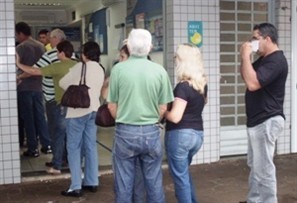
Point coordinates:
[[77, 96]]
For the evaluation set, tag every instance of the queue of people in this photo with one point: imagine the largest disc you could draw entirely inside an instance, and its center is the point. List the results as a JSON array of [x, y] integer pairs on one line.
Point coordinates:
[[58, 65], [56, 71], [140, 95]]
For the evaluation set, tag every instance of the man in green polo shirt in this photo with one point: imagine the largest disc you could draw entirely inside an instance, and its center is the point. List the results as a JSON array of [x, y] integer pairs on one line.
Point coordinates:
[[139, 91]]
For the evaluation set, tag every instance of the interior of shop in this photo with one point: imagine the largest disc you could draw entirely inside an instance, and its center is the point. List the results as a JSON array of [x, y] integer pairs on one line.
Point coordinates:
[[105, 21]]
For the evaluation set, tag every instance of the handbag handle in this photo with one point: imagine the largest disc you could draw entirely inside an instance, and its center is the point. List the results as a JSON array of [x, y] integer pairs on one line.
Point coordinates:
[[83, 74]]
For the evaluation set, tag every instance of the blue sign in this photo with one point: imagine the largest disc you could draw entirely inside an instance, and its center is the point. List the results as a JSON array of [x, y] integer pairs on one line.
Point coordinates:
[[195, 35], [96, 29]]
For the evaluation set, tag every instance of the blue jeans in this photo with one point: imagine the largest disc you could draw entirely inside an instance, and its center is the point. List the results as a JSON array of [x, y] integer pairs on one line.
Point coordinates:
[[21, 129], [50, 107], [32, 112], [181, 145], [58, 114], [261, 146], [133, 142], [139, 188], [81, 140]]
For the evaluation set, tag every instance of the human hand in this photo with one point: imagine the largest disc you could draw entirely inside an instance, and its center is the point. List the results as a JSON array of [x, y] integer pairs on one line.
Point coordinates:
[[246, 50], [17, 59], [18, 80]]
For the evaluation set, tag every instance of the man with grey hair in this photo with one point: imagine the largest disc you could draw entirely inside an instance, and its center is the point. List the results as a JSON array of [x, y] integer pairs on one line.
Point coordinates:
[[55, 113], [56, 36], [139, 91]]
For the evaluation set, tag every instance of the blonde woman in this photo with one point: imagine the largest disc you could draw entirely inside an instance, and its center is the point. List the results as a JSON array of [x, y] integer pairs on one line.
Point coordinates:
[[184, 128]]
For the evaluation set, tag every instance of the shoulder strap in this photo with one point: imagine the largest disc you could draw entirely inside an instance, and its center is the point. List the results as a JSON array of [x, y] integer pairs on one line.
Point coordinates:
[[102, 67], [83, 74]]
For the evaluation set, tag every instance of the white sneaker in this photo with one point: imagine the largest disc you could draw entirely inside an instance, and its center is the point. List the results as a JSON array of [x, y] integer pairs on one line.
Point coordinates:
[[53, 171]]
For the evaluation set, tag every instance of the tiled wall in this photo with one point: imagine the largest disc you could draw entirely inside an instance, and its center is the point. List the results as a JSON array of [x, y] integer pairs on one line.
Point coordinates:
[[9, 147], [283, 14], [178, 13]]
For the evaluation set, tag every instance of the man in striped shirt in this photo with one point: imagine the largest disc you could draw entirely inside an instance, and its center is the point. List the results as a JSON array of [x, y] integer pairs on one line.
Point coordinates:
[[55, 114]]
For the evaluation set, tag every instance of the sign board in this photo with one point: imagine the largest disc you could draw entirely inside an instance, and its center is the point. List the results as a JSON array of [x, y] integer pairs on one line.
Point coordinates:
[[195, 33]]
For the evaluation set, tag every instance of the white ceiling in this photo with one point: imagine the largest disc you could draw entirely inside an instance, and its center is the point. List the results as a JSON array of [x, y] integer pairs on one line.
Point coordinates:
[[46, 3]]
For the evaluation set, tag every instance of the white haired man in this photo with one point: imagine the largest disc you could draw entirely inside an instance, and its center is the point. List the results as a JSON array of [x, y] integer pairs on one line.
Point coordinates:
[[139, 91]]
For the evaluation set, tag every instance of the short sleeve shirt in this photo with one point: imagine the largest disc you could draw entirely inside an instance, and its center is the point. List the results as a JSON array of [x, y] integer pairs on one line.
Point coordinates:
[[192, 117], [138, 86], [29, 52], [267, 102], [57, 71]]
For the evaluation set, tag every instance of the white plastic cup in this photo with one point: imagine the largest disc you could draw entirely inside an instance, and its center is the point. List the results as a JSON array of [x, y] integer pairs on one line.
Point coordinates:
[[255, 45]]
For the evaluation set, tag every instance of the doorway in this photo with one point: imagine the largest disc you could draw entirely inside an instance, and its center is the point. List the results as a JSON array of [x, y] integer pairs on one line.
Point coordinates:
[[36, 15]]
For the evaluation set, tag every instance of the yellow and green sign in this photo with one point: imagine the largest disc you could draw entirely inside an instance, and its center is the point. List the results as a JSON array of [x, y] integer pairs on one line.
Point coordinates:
[[195, 33]]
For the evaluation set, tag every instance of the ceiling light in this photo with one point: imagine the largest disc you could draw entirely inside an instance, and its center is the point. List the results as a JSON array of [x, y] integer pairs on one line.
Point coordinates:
[[40, 4]]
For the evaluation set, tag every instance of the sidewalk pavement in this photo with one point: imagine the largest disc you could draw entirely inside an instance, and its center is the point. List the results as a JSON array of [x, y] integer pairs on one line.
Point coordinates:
[[222, 182]]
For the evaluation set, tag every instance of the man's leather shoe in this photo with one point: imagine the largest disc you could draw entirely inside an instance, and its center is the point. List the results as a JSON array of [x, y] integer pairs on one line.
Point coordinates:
[[46, 150], [29, 153], [49, 164], [72, 193], [90, 188]]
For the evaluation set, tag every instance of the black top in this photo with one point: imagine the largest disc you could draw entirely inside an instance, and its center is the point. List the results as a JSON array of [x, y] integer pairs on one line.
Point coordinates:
[[268, 101], [192, 117]]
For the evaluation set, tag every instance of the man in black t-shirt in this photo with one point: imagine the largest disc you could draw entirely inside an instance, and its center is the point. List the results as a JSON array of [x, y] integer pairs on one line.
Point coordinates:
[[265, 81]]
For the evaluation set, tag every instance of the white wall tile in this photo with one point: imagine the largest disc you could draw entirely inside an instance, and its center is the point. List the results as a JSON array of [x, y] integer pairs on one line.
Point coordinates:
[[7, 157], [195, 12], [284, 30], [9, 147]]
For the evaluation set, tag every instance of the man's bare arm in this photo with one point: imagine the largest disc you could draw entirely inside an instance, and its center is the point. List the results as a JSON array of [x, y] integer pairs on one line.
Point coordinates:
[[113, 107], [248, 73]]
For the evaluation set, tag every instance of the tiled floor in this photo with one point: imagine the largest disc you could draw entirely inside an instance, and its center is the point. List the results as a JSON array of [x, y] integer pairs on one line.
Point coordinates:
[[104, 137]]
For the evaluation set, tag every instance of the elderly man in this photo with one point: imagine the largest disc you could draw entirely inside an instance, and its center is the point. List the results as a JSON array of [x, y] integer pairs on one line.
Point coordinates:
[[265, 80], [138, 94]]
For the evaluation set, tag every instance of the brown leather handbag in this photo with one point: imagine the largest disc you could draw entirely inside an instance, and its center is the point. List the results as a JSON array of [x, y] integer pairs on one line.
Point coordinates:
[[77, 96], [103, 117]]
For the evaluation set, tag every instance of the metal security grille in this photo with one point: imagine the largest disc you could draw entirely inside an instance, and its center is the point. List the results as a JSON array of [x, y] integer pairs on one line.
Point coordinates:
[[237, 19]]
